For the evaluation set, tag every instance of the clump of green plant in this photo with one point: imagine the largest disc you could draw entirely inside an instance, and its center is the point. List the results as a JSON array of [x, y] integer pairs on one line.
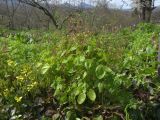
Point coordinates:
[[81, 76]]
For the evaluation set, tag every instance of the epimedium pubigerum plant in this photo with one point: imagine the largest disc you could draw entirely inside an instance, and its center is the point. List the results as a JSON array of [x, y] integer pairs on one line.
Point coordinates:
[[82, 76]]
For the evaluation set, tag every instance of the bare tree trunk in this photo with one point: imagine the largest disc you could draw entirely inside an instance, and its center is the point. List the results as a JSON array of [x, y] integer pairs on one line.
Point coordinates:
[[143, 14], [148, 15], [148, 10], [40, 7], [145, 8], [159, 55], [11, 9]]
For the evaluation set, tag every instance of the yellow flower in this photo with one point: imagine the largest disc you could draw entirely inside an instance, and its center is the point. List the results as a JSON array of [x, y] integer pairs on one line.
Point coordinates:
[[31, 86], [18, 99], [20, 77], [6, 92], [10, 62]]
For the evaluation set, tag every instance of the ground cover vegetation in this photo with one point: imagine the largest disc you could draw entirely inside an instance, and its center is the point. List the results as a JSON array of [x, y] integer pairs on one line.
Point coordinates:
[[106, 76]]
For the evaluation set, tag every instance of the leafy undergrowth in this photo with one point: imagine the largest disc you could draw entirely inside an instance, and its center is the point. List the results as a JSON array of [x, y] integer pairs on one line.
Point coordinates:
[[112, 76]]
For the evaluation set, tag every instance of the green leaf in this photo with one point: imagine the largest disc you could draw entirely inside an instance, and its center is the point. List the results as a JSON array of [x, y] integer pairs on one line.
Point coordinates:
[[63, 53], [149, 50], [91, 95], [78, 119], [73, 48], [84, 75], [98, 118], [100, 87], [56, 116], [45, 68], [89, 49], [88, 64], [108, 70], [38, 65], [85, 118], [100, 72], [81, 98], [82, 58], [76, 92], [70, 115]]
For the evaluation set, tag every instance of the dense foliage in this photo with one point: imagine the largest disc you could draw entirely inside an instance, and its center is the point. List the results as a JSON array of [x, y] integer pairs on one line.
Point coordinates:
[[83, 76]]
